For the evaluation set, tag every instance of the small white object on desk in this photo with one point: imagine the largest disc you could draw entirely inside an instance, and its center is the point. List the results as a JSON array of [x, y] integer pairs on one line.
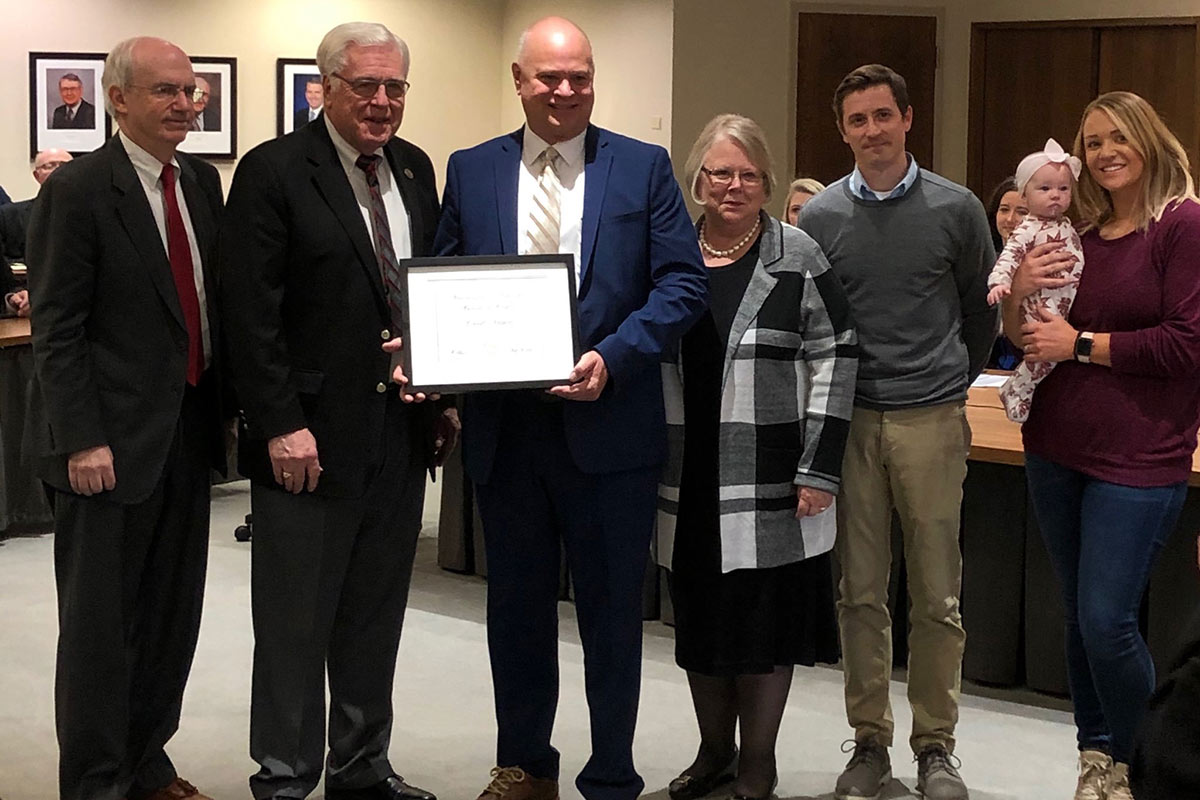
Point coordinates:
[[986, 379]]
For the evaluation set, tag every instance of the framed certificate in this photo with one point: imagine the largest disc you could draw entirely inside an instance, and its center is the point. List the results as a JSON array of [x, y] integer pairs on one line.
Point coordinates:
[[490, 322]]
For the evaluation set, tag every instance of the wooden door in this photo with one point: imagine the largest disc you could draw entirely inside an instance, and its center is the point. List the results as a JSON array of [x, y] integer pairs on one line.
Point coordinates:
[[1034, 84], [831, 45], [1032, 80], [1159, 63]]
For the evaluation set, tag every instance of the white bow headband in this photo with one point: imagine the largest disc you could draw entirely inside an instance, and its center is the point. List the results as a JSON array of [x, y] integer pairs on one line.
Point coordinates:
[[1052, 153]]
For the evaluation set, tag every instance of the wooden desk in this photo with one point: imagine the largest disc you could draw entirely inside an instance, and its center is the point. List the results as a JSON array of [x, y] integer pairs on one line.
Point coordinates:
[[997, 440], [14, 331]]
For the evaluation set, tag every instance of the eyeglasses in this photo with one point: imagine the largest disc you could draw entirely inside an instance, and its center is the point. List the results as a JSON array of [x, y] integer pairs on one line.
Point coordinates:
[[48, 166], [169, 91], [395, 88], [724, 177]]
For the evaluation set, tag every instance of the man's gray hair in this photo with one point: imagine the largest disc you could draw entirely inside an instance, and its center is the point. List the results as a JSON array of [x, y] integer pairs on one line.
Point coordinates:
[[118, 70], [331, 54]]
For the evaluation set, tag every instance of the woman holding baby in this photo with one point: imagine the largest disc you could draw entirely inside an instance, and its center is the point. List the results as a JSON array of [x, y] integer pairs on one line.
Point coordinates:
[[1111, 430]]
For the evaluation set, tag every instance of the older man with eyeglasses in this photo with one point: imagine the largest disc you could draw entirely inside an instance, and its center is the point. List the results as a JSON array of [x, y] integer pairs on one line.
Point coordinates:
[[335, 449], [126, 352]]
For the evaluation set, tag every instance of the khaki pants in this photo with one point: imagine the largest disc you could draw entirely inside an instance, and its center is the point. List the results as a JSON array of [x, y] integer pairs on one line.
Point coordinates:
[[912, 460]]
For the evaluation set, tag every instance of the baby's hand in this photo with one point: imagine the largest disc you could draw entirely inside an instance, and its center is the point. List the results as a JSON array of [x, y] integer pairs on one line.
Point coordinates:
[[998, 293]]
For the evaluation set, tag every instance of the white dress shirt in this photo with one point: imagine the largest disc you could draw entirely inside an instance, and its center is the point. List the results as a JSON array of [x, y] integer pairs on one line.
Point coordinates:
[[570, 175], [393, 201], [149, 172]]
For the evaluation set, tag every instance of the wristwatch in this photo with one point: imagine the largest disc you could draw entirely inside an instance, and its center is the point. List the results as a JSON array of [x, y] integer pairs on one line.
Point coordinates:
[[1083, 347]]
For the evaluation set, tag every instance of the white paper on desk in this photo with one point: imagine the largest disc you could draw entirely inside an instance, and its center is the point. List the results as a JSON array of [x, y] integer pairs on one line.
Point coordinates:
[[490, 327], [985, 380]]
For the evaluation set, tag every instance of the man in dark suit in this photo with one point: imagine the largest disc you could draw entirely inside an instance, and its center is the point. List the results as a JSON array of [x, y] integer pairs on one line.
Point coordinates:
[[578, 465], [314, 97], [316, 223], [125, 347], [75, 112], [14, 222]]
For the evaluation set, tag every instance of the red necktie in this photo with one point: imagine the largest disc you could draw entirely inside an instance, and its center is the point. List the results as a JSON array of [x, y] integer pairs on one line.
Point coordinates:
[[179, 251]]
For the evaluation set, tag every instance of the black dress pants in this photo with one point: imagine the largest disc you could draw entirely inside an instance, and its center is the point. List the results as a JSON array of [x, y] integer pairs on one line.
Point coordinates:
[[329, 585], [130, 590]]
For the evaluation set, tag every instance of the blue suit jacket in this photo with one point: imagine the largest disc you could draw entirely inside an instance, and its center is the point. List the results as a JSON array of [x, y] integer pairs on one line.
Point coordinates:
[[642, 285]]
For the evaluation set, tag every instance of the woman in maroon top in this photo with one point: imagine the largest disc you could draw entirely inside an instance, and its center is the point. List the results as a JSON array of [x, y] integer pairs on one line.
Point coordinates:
[[1109, 440]]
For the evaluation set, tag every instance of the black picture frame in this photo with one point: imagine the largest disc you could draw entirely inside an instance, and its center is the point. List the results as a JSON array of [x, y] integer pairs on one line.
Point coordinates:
[[290, 75], [216, 137], [557, 331], [49, 126]]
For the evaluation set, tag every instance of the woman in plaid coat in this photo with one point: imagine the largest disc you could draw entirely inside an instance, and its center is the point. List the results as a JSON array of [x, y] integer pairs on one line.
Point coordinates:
[[758, 400]]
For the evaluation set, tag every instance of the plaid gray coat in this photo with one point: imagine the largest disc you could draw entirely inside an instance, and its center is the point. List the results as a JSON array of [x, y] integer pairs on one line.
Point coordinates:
[[787, 393]]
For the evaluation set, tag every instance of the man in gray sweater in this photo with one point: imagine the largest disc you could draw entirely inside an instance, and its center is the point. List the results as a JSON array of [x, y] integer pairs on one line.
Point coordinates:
[[913, 251]]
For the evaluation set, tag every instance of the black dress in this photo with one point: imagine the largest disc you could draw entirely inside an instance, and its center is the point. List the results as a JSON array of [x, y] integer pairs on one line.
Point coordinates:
[[747, 621]]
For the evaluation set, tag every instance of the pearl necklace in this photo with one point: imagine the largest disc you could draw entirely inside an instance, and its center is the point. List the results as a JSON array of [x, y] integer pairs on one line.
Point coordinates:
[[712, 251]]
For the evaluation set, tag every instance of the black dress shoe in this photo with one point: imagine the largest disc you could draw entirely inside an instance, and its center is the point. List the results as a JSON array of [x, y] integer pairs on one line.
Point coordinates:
[[767, 796], [690, 787], [393, 788]]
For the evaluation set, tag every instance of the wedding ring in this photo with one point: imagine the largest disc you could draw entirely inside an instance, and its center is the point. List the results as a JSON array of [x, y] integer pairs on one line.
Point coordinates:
[[286, 475]]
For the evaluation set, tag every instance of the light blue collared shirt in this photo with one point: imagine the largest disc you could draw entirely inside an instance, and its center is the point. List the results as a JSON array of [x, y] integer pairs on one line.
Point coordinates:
[[859, 187]]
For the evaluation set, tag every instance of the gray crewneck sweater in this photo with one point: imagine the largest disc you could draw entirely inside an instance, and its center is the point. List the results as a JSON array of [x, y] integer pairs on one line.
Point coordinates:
[[915, 269]]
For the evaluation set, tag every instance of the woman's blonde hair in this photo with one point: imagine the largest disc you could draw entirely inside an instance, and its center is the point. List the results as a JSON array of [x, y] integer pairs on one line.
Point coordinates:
[[1166, 176], [806, 185], [745, 132]]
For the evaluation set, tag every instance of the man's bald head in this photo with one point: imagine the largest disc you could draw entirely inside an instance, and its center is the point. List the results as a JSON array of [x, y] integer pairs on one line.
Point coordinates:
[[47, 161], [553, 76]]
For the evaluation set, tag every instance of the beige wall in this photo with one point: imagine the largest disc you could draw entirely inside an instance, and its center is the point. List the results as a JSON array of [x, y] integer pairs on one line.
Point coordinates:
[[675, 61], [631, 41], [740, 56], [453, 44]]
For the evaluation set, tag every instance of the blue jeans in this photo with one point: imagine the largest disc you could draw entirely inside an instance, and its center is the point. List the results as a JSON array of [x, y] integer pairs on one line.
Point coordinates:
[[1103, 540]]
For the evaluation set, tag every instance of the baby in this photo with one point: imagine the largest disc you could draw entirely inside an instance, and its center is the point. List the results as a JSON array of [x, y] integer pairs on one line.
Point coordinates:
[[1045, 180]]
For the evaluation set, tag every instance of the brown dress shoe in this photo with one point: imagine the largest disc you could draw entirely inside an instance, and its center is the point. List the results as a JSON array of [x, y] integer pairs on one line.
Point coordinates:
[[512, 783], [177, 789]]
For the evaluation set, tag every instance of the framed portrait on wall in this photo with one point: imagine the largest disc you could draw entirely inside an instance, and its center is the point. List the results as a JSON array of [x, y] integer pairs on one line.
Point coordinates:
[[298, 94], [214, 131], [66, 102]]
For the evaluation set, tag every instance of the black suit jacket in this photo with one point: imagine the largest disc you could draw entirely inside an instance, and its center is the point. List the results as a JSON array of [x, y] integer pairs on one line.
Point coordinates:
[[109, 338], [85, 117], [304, 304], [14, 222]]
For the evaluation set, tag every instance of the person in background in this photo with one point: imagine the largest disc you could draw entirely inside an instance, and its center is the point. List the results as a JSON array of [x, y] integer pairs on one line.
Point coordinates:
[[913, 252], [752, 584], [800, 192], [126, 350], [1005, 210], [14, 223], [1110, 437]]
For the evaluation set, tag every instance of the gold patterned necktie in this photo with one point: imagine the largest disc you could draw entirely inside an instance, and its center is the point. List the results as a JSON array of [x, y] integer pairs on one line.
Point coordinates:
[[544, 218]]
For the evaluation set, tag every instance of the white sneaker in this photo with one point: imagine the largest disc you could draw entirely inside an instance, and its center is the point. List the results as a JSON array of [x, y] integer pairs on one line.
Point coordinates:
[[1094, 767], [1117, 784]]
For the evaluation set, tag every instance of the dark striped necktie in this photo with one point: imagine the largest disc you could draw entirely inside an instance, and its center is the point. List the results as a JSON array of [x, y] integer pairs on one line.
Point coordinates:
[[385, 253]]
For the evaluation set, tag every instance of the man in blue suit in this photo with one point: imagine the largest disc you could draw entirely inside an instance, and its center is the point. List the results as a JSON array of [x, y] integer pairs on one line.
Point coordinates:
[[576, 466]]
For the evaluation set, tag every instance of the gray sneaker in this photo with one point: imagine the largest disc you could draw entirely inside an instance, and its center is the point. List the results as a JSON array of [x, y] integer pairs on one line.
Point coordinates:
[[937, 777], [866, 773]]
